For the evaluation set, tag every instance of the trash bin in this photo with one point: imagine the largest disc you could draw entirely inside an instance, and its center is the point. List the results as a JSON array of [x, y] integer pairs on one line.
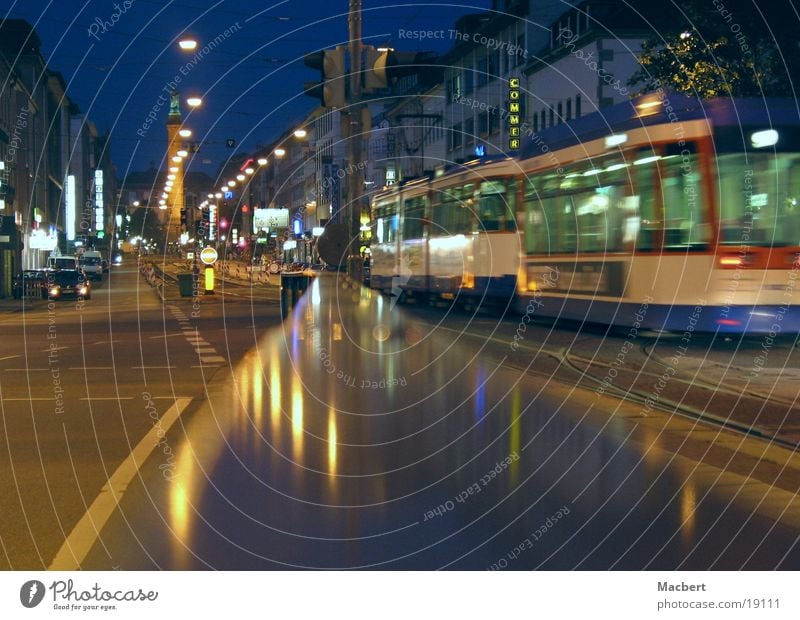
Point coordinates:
[[186, 284]]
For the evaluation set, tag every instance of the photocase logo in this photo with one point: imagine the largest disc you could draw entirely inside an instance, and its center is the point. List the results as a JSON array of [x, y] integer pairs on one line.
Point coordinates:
[[31, 593]]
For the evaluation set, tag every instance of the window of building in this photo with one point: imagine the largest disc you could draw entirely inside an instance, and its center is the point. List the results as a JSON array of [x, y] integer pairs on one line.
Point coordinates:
[[494, 121], [560, 113], [519, 52], [456, 138], [577, 106], [483, 71], [469, 80], [455, 87], [493, 65], [483, 123], [543, 119], [551, 115], [469, 131], [569, 109]]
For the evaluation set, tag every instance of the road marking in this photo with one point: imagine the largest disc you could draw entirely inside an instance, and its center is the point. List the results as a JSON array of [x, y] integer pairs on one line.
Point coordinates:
[[90, 368], [26, 369], [83, 537], [151, 367], [8, 357], [25, 400], [166, 335], [212, 359], [107, 398], [203, 350], [56, 349]]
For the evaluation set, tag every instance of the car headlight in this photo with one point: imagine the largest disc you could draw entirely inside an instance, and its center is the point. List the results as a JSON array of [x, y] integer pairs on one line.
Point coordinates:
[[83, 290], [55, 290]]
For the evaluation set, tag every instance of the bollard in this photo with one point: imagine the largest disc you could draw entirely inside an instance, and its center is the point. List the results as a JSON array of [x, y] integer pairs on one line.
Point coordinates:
[[292, 288]]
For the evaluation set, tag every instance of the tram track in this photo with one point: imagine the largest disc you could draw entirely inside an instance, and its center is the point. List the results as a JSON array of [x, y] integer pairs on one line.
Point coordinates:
[[568, 360]]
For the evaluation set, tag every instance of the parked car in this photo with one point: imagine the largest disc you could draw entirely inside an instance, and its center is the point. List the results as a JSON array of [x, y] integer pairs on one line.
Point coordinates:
[[30, 282], [67, 283]]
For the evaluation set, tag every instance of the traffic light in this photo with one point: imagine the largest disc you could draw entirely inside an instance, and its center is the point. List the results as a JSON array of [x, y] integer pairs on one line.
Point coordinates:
[[383, 68], [331, 64]]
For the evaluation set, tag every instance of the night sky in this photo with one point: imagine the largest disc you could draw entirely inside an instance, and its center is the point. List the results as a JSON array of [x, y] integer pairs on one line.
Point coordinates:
[[251, 82]]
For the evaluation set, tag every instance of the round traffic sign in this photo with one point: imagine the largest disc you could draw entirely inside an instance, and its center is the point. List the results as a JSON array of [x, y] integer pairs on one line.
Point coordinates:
[[208, 256]]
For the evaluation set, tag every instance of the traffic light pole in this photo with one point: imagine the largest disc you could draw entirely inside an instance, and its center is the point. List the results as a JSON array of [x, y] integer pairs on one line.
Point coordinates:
[[355, 186]]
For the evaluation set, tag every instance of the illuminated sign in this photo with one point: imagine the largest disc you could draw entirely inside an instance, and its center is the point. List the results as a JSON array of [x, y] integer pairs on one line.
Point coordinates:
[[71, 207], [98, 201], [513, 114], [268, 219]]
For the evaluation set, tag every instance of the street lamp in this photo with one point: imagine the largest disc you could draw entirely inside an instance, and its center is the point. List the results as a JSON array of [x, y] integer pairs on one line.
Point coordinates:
[[187, 43], [280, 152], [262, 161], [300, 133], [185, 133], [194, 102]]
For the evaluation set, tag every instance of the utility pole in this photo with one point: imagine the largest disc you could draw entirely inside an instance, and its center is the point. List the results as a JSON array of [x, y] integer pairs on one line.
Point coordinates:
[[355, 185]]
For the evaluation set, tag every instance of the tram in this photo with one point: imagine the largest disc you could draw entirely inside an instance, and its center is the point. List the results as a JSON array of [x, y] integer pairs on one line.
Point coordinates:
[[663, 212], [668, 213], [450, 236]]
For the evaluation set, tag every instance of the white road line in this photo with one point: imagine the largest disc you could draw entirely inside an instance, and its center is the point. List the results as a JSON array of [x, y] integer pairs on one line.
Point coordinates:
[[26, 369], [212, 359], [90, 368], [25, 400], [107, 398], [8, 357], [151, 367], [56, 349], [204, 350], [83, 537], [166, 335]]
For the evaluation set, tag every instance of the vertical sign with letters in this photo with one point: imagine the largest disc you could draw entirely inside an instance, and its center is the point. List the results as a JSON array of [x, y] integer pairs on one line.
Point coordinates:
[[514, 113]]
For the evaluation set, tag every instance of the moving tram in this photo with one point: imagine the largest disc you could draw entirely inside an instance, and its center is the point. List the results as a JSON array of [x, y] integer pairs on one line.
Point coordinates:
[[663, 212]]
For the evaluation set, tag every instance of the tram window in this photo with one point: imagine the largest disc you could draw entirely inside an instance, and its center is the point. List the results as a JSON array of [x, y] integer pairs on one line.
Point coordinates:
[[550, 224], [453, 211], [496, 207], [759, 198], [684, 220], [413, 216], [386, 229], [642, 220], [539, 231]]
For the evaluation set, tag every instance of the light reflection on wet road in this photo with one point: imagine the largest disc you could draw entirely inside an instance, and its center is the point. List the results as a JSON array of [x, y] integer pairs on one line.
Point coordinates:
[[355, 437]]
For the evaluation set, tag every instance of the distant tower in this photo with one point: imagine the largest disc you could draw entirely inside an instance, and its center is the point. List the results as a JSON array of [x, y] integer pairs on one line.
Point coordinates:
[[175, 200]]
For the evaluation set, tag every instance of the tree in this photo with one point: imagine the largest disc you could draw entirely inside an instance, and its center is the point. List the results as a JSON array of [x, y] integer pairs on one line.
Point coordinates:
[[711, 49]]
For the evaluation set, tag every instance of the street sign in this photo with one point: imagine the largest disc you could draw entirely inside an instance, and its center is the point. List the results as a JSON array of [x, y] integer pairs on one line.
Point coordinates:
[[208, 255]]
